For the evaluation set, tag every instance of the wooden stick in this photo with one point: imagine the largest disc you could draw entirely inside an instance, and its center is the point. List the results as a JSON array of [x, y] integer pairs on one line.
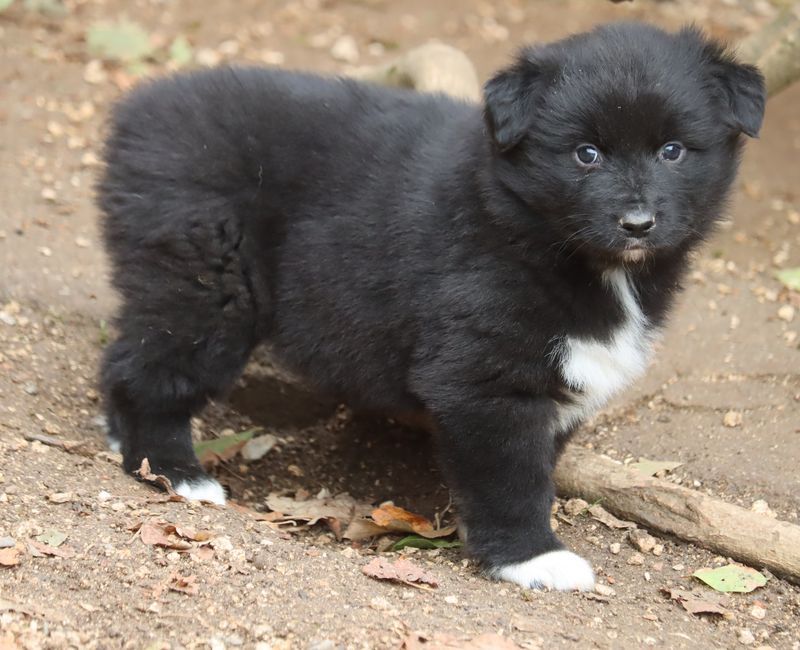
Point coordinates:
[[775, 49], [729, 530], [433, 67]]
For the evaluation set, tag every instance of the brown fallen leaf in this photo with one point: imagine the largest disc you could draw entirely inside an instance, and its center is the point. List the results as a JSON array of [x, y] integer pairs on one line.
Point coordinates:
[[359, 529], [396, 519], [162, 533], [9, 557], [336, 511], [402, 570], [443, 641], [602, 515], [38, 549], [147, 475], [269, 517], [202, 553], [183, 584], [696, 603]]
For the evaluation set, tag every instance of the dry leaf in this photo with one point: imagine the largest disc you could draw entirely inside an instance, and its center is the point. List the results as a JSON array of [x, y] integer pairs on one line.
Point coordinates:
[[336, 511], [160, 480], [654, 467], [9, 557], [402, 570], [38, 549], [162, 533], [396, 519], [255, 514], [211, 453], [602, 515], [359, 529], [202, 553], [697, 603], [183, 584]]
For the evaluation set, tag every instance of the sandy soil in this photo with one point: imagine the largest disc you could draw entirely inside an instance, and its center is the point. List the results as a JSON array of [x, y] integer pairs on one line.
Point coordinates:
[[727, 349]]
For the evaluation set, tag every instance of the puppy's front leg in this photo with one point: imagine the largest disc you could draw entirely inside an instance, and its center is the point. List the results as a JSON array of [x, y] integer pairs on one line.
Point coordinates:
[[499, 455]]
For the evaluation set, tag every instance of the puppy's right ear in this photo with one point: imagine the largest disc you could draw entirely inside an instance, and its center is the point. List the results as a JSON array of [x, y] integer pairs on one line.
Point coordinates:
[[509, 101]]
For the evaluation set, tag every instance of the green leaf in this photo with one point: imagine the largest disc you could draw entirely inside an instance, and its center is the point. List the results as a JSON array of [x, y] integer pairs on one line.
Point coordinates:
[[123, 41], [5, 4], [731, 578], [52, 537], [653, 467], [416, 541], [790, 278], [223, 448], [180, 52], [52, 7]]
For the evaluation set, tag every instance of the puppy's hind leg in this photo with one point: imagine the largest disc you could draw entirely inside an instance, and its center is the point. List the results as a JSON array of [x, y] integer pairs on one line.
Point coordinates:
[[187, 327]]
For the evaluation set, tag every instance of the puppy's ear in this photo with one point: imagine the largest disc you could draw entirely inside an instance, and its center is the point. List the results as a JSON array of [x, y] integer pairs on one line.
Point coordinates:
[[743, 86], [509, 99], [740, 85]]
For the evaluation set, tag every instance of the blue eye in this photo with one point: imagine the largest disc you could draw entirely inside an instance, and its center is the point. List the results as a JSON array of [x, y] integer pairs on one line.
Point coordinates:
[[672, 151], [587, 154]]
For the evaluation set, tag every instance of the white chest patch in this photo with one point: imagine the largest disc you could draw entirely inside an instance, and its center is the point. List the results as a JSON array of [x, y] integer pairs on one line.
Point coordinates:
[[593, 370]]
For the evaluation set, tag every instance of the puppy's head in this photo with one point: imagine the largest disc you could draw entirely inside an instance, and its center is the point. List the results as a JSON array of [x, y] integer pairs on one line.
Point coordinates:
[[623, 141]]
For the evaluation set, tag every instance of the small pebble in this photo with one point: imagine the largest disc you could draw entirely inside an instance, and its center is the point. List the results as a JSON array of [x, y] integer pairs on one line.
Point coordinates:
[[641, 540], [574, 507], [786, 313], [345, 49], [604, 590], [615, 548], [746, 637], [732, 419]]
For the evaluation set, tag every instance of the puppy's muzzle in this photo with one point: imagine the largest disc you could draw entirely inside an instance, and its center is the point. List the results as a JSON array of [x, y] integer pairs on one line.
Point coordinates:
[[637, 223]]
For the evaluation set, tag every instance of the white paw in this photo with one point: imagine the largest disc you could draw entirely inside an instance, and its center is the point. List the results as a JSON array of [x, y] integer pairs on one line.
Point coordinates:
[[114, 444], [558, 570], [206, 489]]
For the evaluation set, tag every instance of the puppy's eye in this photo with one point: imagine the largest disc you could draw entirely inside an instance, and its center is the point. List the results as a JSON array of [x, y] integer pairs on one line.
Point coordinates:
[[587, 154], [672, 151]]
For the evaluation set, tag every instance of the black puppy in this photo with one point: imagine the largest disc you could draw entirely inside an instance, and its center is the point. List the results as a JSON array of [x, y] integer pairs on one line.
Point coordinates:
[[503, 268]]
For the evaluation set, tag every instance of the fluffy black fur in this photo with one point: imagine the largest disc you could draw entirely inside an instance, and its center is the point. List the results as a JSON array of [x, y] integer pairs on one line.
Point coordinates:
[[409, 252]]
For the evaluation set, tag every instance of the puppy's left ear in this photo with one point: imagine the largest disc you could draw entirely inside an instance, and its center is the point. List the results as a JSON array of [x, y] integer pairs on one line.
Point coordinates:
[[744, 88], [509, 101]]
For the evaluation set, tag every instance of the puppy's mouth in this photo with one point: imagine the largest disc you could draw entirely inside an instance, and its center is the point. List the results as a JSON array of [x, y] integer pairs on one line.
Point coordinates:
[[634, 252]]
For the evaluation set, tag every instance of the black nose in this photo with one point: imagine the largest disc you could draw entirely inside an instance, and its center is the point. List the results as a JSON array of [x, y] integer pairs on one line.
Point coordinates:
[[637, 223]]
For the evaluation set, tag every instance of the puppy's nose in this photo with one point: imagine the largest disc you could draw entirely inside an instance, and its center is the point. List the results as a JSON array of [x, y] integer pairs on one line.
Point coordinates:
[[637, 223]]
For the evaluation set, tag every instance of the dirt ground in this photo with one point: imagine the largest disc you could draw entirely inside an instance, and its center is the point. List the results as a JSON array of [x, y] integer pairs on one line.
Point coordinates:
[[728, 349]]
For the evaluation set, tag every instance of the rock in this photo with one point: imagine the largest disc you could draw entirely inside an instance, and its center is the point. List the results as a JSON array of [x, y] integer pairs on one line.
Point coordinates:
[[345, 49], [637, 559], [604, 590], [762, 507], [615, 548], [786, 313], [746, 637], [258, 447], [94, 73], [732, 419], [574, 507], [641, 540]]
